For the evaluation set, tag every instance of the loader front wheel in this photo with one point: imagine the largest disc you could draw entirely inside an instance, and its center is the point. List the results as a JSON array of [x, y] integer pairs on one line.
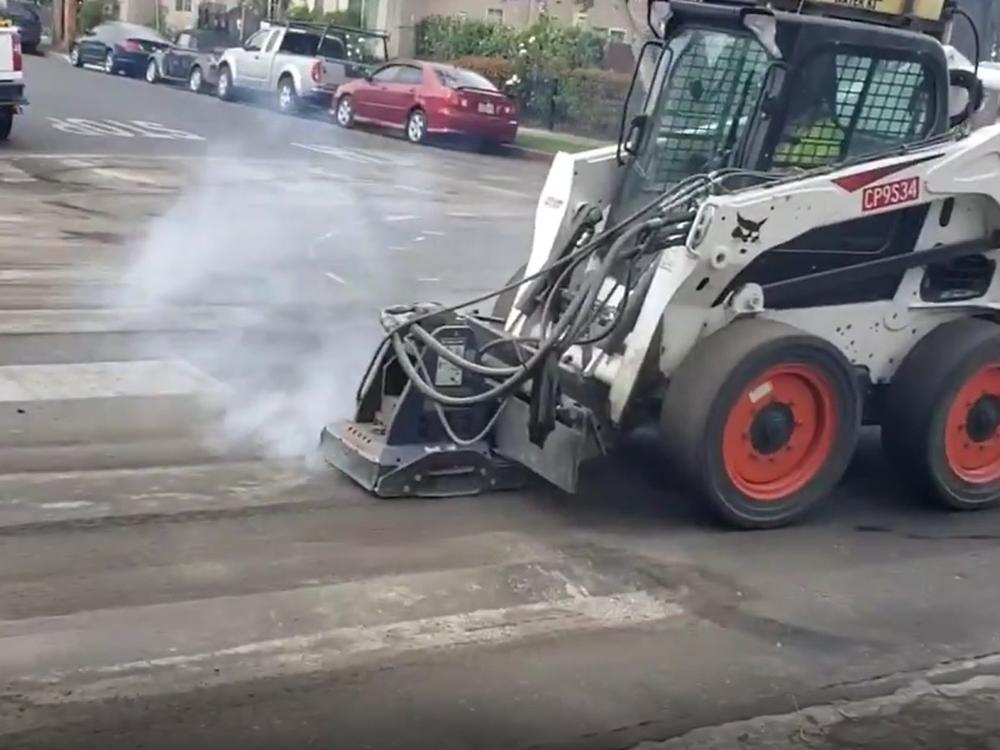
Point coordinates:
[[941, 423], [762, 420]]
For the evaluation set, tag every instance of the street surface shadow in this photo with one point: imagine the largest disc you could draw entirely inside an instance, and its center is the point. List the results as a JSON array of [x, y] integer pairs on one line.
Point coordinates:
[[635, 487]]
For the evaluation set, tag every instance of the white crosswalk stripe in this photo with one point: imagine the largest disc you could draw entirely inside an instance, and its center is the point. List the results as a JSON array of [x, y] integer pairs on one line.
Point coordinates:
[[355, 155], [10, 173]]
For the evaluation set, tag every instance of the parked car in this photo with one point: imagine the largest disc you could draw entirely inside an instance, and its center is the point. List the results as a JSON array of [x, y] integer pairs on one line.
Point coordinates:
[[24, 17], [11, 78], [425, 98], [117, 47], [299, 63], [193, 58]]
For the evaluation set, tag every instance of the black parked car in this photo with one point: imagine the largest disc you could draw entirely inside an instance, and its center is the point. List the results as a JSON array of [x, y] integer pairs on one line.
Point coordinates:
[[29, 24], [117, 46], [192, 59]]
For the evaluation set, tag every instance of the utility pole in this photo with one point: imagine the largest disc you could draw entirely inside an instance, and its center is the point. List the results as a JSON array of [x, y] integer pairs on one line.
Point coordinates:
[[58, 30], [69, 21]]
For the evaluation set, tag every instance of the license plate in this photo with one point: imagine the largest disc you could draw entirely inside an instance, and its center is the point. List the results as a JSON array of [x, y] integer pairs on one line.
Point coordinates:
[[487, 109]]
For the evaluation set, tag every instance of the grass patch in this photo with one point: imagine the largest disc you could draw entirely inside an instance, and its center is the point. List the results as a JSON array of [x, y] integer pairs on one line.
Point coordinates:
[[550, 143]]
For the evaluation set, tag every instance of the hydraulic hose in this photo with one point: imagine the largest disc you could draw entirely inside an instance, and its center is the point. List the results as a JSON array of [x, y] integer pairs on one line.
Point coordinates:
[[567, 322], [682, 191]]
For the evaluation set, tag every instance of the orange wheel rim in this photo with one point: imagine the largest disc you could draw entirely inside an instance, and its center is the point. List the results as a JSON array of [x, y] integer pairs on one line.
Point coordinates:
[[780, 432], [972, 428]]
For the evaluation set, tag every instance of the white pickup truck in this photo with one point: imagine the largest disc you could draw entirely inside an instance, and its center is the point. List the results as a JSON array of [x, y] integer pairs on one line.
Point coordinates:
[[11, 79], [299, 63]]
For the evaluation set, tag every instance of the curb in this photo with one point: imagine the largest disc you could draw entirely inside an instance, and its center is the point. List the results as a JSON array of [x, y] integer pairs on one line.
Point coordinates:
[[529, 154]]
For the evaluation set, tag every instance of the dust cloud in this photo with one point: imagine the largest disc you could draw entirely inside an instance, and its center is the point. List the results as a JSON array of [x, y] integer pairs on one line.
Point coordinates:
[[281, 267]]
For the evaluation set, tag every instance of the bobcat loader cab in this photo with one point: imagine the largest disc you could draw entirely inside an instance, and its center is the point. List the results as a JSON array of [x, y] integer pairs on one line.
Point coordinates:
[[796, 235]]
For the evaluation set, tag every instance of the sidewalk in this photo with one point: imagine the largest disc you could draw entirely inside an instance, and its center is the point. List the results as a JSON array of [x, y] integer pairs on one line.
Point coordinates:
[[963, 716], [546, 142]]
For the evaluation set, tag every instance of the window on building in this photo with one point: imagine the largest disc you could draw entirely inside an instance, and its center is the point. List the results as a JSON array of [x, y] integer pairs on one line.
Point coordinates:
[[618, 35], [187, 6], [494, 15], [179, 5]]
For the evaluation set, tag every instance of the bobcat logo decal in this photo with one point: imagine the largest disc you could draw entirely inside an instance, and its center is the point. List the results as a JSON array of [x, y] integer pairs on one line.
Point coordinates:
[[747, 231]]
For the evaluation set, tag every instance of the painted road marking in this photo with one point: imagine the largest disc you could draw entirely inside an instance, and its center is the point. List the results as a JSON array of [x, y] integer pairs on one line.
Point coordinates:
[[335, 277], [162, 669], [121, 129], [12, 174], [356, 155], [124, 175], [401, 217]]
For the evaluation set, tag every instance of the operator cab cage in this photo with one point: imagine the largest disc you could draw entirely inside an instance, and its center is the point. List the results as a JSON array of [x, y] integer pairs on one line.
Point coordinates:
[[740, 85]]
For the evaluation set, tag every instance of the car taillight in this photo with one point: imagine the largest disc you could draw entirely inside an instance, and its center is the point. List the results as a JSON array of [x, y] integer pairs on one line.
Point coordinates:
[[132, 46], [317, 71], [18, 62]]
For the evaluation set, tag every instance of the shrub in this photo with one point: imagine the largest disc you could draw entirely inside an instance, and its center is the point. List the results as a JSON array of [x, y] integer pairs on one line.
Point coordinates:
[[553, 72], [591, 101], [350, 17], [91, 13], [444, 38], [496, 69]]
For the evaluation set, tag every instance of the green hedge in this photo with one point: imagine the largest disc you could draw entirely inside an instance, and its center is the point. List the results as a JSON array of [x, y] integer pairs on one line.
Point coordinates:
[[553, 72], [349, 17], [586, 101]]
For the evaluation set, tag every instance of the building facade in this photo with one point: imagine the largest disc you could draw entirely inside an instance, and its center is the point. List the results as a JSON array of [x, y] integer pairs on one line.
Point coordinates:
[[607, 17]]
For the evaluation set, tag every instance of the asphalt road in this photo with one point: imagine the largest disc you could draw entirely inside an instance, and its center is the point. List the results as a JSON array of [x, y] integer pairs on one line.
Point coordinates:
[[180, 316]]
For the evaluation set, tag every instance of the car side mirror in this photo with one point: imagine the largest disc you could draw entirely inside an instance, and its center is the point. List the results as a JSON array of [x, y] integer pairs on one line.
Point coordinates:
[[368, 76]]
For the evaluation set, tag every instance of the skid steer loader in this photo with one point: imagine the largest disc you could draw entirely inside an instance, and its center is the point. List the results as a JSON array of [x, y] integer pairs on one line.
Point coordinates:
[[796, 236]]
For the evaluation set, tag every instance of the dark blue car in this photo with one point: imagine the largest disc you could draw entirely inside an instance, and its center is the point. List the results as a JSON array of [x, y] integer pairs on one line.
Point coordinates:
[[117, 47], [25, 16]]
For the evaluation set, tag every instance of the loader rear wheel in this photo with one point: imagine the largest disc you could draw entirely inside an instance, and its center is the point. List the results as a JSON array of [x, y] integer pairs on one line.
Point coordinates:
[[762, 420], [941, 424]]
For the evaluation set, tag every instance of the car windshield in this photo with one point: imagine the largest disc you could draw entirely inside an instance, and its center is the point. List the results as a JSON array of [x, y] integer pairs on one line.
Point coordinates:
[[456, 78]]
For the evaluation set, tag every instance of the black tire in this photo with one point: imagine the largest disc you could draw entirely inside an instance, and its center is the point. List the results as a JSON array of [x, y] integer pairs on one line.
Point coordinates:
[[224, 87], [30, 49], [925, 402], [109, 63], [75, 58], [344, 114], [754, 359], [6, 124], [196, 80], [152, 74], [287, 99], [416, 126], [504, 302]]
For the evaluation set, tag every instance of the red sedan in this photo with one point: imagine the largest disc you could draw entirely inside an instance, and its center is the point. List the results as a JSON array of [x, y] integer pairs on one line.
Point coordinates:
[[427, 98]]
